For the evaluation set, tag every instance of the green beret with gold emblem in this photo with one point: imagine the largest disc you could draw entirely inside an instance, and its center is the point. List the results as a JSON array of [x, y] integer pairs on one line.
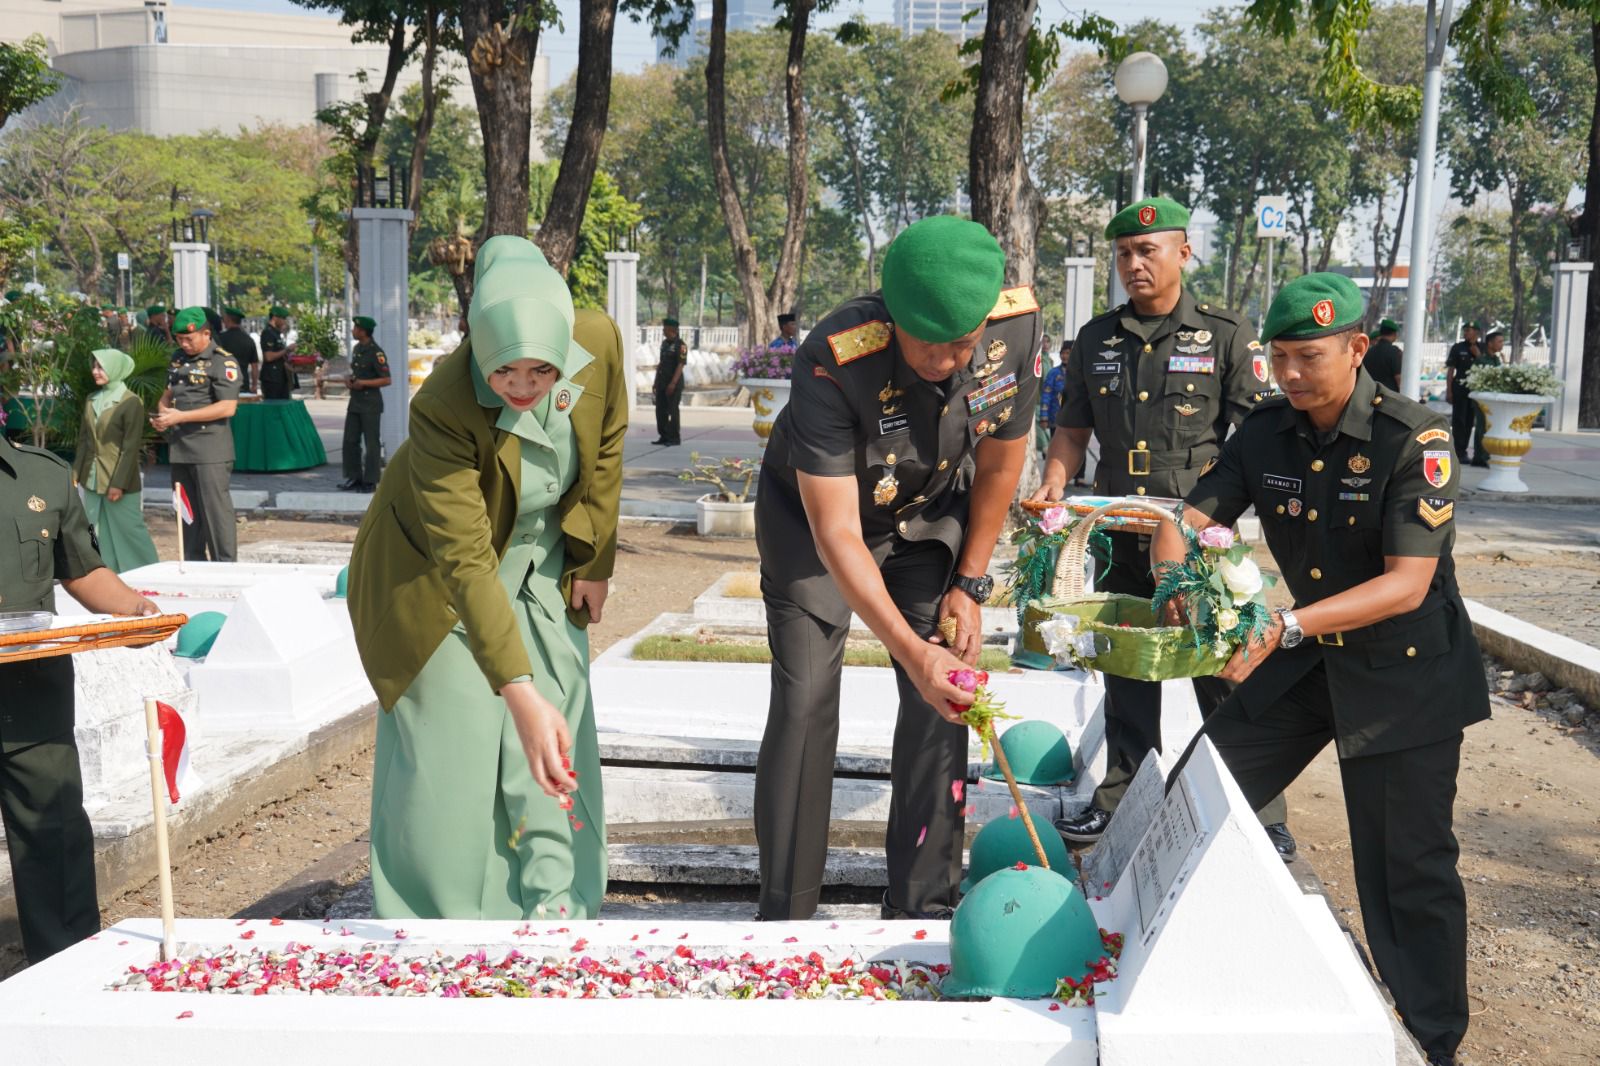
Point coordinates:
[[368, 324], [1311, 306], [190, 320], [942, 277], [1153, 214]]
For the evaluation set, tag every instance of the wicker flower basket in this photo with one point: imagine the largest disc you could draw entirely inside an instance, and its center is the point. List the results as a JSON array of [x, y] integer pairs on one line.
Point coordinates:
[[1115, 633]]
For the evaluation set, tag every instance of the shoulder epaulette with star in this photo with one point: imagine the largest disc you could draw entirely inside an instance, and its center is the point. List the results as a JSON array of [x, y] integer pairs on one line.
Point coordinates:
[[1013, 302], [853, 343]]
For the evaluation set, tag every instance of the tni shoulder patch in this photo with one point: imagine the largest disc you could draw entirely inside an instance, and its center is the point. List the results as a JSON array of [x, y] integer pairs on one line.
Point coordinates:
[[1428, 436], [1013, 302], [857, 341], [1435, 511]]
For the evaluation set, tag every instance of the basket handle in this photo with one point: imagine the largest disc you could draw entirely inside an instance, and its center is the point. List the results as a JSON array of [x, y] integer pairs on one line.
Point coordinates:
[[1070, 563]]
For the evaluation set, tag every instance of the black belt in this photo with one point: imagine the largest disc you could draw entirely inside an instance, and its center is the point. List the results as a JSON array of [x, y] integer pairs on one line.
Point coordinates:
[[1143, 461]]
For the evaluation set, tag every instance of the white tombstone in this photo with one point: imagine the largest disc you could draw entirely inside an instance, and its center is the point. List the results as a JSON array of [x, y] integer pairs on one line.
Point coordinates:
[[282, 662], [110, 686], [1226, 961]]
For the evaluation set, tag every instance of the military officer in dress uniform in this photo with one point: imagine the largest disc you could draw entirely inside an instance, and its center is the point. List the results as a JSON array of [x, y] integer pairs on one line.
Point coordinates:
[[369, 375], [1382, 363], [239, 344], [1355, 486], [884, 486], [44, 537], [277, 376], [668, 391], [202, 394], [1158, 382]]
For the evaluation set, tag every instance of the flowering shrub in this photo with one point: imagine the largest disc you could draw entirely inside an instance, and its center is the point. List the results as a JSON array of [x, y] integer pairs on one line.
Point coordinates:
[[1528, 379], [763, 363], [1219, 586]]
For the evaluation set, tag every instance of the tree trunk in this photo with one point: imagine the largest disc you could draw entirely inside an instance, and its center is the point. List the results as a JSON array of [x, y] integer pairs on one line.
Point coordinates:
[[786, 279], [1589, 386], [1021, 241], [1514, 270], [1231, 285], [746, 267], [1250, 280], [558, 234], [424, 126], [500, 38], [995, 148]]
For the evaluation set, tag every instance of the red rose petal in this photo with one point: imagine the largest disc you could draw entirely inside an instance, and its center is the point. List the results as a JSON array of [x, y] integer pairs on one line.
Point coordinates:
[[920, 934], [1055, 1006], [248, 934], [185, 1014], [277, 921]]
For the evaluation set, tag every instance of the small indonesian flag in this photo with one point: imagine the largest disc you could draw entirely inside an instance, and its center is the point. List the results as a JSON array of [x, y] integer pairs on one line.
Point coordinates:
[[175, 753], [180, 503]]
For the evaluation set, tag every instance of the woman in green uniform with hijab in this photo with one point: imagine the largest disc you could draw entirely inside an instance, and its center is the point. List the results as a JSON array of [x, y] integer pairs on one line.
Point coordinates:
[[110, 440], [486, 551]]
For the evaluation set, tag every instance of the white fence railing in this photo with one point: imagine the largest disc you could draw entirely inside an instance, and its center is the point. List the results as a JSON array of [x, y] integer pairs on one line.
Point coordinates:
[[709, 337]]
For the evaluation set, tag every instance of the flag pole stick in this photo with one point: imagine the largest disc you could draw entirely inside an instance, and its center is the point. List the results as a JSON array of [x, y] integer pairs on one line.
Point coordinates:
[[177, 510], [158, 800]]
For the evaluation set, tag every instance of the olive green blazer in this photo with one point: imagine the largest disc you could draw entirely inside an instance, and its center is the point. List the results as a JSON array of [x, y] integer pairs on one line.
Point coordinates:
[[428, 552], [116, 441]]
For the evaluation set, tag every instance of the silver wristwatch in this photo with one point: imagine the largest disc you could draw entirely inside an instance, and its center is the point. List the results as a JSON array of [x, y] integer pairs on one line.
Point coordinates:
[[1292, 634]]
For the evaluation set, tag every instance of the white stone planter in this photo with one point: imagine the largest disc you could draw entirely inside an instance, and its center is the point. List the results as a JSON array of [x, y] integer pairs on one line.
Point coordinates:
[[768, 396], [719, 518], [1506, 436]]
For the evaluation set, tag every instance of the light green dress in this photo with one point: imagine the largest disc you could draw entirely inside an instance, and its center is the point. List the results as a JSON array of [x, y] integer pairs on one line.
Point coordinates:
[[459, 829]]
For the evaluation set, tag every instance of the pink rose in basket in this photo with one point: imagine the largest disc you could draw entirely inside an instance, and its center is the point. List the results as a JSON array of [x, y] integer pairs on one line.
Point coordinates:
[[1217, 537], [1054, 520]]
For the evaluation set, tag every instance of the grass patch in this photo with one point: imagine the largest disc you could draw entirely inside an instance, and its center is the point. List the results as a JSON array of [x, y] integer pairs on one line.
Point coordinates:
[[683, 649], [743, 586]]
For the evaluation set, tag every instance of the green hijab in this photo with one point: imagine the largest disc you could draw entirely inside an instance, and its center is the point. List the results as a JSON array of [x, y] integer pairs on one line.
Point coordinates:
[[521, 309], [118, 365]]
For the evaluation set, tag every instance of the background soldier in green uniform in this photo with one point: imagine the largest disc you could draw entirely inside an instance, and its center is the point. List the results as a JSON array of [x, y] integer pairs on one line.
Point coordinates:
[[44, 536], [202, 394], [1458, 362], [668, 391], [1355, 488], [155, 324], [1382, 363], [239, 344], [369, 375], [277, 377], [1158, 382], [884, 486]]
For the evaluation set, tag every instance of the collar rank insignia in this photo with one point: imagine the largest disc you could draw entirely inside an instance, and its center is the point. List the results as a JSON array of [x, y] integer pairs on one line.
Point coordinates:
[[35, 504], [1359, 464], [866, 339], [1435, 511], [1013, 302]]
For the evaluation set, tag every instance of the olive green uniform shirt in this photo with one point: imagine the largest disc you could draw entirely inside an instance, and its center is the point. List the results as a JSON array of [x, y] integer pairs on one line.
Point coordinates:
[[367, 363], [44, 533], [674, 354], [198, 382], [1332, 507], [1161, 395], [858, 410]]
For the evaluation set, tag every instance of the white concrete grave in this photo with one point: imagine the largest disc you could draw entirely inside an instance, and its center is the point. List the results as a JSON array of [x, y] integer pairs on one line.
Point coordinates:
[[191, 587], [110, 686], [715, 606], [1226, 961], [61, 1012], [282, 662]]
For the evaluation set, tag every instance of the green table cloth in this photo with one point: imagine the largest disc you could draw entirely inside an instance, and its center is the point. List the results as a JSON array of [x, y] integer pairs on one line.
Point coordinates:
[[275, 435]]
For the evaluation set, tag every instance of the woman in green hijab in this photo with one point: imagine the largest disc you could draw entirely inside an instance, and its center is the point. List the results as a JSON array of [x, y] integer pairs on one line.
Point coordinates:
[[485, 553], [110, 441]]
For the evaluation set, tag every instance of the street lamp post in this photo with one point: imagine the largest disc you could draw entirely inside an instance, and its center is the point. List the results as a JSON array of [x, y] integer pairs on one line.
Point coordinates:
[[202, 229], [316, 266], [1140, 80]]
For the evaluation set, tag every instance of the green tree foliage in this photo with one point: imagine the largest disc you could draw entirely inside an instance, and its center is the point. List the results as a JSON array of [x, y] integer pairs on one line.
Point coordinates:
[[25, 76], [1534, 158], [608, 217]]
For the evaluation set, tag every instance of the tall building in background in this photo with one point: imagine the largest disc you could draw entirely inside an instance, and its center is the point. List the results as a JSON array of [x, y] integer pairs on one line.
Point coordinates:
[[742, 15], [912, 17]]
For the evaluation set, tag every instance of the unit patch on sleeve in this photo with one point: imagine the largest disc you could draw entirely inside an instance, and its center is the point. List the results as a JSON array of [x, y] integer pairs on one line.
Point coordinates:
[[1435, 511], [1428, 436], [857, 341]]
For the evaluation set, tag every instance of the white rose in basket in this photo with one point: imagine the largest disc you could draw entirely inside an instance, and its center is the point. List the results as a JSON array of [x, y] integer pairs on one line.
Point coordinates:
[[1242, 578]]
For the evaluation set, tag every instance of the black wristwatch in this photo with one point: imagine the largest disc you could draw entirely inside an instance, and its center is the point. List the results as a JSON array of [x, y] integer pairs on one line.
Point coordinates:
[[979, 588]]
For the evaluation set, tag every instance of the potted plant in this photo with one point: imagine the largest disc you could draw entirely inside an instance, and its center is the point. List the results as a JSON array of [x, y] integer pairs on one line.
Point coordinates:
[[1510, 397], [766, 374], [728, 512]]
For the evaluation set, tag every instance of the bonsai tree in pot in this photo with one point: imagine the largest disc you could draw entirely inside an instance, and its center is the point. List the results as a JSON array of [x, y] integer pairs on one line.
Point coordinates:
[[729, 511]]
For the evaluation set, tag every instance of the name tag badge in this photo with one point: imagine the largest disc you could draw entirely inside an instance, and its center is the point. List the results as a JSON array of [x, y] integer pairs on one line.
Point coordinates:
[[1107, 368], [887, 426], [1191, 364], [1281, 483]]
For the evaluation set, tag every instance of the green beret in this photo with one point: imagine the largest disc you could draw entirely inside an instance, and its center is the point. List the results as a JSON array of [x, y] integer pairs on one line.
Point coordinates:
[[155, 309], [104, 308], [670, 322], [1311, 306], [13, 296], [368, 324], [233, 312], [1153, 214], [942, 277], [278, 311], [1388, 325], [190, 320], [1473, 325]]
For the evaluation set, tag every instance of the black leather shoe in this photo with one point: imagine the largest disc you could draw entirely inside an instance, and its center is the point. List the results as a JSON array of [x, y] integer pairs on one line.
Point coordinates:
[[1480, 462], [365, 486], [1085, 828], [347, 484], [891, 913], [1437, 1058], [658, 442], [1283, 840]]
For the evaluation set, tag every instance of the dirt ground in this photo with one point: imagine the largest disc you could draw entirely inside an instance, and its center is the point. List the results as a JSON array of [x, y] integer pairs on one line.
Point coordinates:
[[1528, 811]]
